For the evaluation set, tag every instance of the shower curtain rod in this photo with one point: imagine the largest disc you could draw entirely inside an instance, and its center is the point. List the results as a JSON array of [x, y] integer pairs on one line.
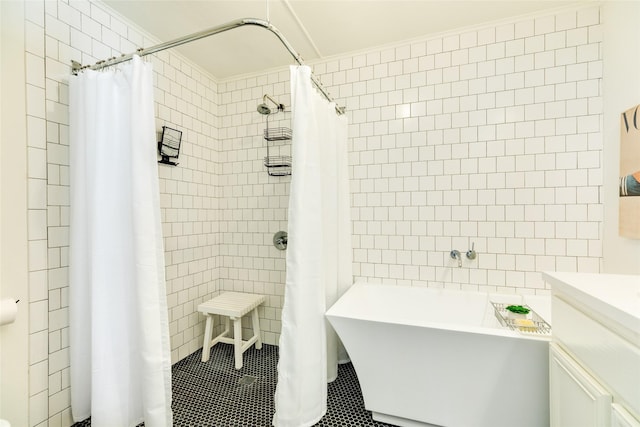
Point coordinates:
[[77, 67]]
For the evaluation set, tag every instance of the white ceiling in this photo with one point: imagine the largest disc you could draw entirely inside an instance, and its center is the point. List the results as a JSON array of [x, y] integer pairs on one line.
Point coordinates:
[[315, 28]]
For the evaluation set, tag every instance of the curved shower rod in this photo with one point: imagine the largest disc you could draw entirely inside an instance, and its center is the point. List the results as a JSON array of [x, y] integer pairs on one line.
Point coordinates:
[[77, 67]]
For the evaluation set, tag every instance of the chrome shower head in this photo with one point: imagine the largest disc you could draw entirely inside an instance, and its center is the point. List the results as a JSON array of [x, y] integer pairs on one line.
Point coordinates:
[[264, 109]]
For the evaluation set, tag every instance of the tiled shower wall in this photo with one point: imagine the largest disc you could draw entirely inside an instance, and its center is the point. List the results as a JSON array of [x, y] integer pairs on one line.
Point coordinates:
[[490, 136], [186, 98], [253, 204]]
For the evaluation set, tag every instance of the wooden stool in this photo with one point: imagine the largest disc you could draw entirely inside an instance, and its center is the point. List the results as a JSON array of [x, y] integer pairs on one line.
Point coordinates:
[[234, 305]]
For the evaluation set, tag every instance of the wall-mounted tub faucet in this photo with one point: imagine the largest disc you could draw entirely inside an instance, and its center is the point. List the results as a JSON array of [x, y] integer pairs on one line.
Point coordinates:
[[455, 254]]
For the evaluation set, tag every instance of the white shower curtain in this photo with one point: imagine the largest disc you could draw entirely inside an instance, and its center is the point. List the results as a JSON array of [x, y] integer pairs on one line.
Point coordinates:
[[318, 254], [120, 361]]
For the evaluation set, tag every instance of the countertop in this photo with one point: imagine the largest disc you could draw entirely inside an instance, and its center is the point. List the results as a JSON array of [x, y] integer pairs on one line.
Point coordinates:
[[613, 296]]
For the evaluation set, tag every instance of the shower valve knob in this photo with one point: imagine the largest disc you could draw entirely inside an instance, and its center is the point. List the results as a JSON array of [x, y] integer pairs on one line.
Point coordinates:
[[280, 240]]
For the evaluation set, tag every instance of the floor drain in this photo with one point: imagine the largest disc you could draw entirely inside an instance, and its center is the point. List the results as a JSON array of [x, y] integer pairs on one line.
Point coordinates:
[[247, 380]]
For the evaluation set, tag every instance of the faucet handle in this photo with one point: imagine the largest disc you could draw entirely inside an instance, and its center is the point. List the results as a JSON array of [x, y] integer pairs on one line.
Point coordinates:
[[471, 253]]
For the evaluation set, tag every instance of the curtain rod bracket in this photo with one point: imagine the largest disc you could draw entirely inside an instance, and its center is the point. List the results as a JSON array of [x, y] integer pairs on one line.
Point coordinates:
[[75, 67]]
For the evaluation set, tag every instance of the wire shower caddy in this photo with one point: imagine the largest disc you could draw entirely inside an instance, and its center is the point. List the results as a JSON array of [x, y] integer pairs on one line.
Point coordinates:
[[277, 165]]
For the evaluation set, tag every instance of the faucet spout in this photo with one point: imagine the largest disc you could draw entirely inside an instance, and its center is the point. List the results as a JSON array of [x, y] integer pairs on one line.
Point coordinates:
[[455, 254]]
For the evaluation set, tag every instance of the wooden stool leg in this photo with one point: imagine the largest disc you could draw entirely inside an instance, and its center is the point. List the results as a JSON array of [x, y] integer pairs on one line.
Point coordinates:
[[227, 325], [256, 327], [237, 341], [206, 345]]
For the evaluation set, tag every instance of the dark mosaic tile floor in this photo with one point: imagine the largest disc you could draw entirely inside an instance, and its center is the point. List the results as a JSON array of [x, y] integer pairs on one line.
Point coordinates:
[[209, 394]]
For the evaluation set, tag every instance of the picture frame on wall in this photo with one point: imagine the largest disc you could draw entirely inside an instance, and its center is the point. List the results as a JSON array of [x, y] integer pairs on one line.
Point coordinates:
[[629, 182]]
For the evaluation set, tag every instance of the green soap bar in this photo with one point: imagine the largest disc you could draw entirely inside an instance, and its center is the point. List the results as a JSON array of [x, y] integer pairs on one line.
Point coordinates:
[[518, 309]]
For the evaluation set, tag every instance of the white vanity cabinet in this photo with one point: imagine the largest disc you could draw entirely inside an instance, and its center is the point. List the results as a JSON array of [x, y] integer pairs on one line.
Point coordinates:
[[576, 399], [594, 369]]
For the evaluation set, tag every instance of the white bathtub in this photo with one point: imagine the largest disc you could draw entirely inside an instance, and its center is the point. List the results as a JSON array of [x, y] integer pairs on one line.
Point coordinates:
[[437, 357]]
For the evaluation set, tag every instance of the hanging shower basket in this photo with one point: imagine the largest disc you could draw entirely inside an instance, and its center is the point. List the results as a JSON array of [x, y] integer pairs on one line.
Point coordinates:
[[277, 165], [277, 134]]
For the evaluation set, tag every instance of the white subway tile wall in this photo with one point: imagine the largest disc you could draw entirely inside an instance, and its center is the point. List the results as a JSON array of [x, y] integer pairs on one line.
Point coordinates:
[[253, 204], [489, 136]]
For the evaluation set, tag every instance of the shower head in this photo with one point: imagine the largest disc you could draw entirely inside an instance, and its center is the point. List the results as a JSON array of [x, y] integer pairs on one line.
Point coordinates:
[[264, 108]]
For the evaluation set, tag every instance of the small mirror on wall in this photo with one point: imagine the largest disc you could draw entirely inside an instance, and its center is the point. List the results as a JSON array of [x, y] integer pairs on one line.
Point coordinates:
[[169, 145]]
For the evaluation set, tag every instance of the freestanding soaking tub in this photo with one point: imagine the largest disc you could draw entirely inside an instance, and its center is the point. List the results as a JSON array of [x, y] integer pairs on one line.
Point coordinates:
[[433, 357]]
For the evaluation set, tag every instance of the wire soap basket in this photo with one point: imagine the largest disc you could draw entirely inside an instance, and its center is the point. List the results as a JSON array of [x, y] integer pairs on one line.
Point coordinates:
[[532, 324], [277, 165]]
